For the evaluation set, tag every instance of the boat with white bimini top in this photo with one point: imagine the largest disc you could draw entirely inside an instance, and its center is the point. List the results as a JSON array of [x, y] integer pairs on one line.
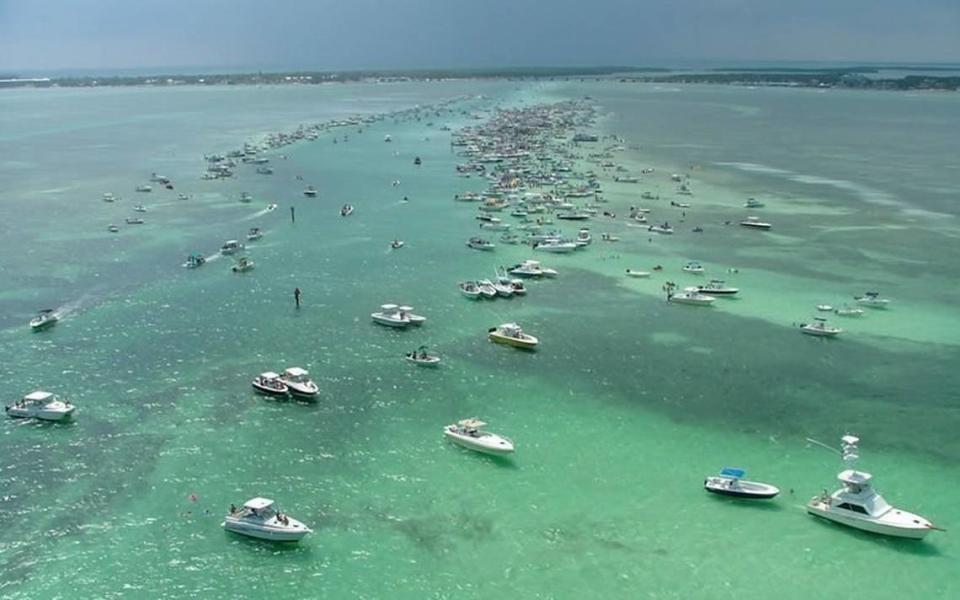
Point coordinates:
[[468, 433], [820, 328], [269, 383], [47, 317], [856, 504], [872, 300], [512, 335], [254, 234], [408, 312], [532, 268], [299, 383], [231, 247], [755, 223], [258, 519], [391, 316], [243, 265], [730, 482], [41, 405]]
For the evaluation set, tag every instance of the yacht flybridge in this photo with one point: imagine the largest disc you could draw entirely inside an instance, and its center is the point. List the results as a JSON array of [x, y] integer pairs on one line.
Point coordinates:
[[856, 504]]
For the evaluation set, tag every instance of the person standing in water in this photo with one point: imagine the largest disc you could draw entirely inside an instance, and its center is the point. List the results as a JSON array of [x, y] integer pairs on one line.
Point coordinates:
[[293, 215], [296, 296]]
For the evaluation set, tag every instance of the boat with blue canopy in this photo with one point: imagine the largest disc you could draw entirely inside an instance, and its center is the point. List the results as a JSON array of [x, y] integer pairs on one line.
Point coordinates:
[[730, 482]]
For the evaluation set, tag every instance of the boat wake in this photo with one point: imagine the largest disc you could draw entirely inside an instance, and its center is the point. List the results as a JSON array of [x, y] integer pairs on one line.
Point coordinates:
[[260, 213], [213, 257], [69, 308]]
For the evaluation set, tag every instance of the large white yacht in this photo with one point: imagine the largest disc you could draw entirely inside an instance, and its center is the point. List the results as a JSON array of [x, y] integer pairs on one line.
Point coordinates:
[[257, 518], [856, 504], [41, 405]]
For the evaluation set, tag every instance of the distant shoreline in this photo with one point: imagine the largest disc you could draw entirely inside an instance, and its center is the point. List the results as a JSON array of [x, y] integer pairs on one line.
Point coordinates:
[[855, 77]]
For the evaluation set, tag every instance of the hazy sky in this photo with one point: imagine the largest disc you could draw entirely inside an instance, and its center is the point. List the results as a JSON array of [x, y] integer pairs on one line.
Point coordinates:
[[323, 34]]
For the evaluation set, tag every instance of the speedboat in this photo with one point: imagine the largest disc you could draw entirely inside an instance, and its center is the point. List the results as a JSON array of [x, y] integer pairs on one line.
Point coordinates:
[[663, 229], [387, 138], [583, 237], [755, 223], [503, 289], [134, 221], [825, 308], [691, 296], [144, 188], [109, 197], [820, 328], [269, 383], [140, 208], [310, 191], [396, 244], [753, 203], [532, 268], [730, 482], [299, 383], [113, 229], [495, 226], [849, 311], [856, 504], [390, 315], [717, 287], [470, 289], [480, 244], [407, 311], [246, 197], [511, 335], [231, 247], [346, 210], [45, 318], [637, 274], [467, 433], [872, 300], [41, 405], [486, 289], [194, 261], [183, 197], [573, 216], [422, 358], [243, 265], [258, 519], [556, 246], [693, 267], [265, 170], [254, 234], [271, 207]]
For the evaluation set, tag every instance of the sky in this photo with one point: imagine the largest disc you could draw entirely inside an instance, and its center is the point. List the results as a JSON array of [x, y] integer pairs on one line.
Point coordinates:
[[37, 35]]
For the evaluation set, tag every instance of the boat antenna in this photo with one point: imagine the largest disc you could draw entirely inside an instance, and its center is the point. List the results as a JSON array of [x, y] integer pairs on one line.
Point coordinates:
[[822, 445]]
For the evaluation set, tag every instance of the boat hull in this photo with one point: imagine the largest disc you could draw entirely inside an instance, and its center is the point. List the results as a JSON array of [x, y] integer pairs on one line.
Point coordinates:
[[819, 509], [267, 391], [515, 342], [271, 534], [749, 490], [477, 445]]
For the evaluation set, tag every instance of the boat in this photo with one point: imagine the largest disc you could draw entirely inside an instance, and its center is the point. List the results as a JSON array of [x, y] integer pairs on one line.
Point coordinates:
[[144, 188], [470, 289], [271, 207], [690, 296], [254, 234], [183, 197], [486, 289], [730, 482], [515, 285], [573, 216], [139, 208], [637, 274], [532, 268], [608, 237], [194, 261], [639, 217], [258, 519], [716, 287], [41, 405], [856, 504], [849, 311], [299, 383], [663, 229], [246, 197], [820, 328], [310, 191], [555, 246], [113, 229], [407, 311], [503, 289], [396, 244], [510, 238], [269, 383], [134, 221], [478, 243], [417, 161], [872, 300], [231, 247], [243, 265], [693, 267], [109, 197], [422, 358], [47, 317], [387, 138], [390, 315], [583, 237], [755, 223], [753, 203], [512, 335], [467, 433], [346, 210], [495, 226], [265, 170]]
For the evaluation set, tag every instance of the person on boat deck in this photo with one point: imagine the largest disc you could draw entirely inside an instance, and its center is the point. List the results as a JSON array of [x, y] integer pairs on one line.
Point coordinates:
[[233, 509]]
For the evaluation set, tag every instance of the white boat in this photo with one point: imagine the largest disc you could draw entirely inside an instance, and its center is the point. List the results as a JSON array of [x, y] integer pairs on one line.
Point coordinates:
[[140, 208], [872, 300], [849, 311], [47, 317], [271, 207], [310, 191], [503, 289], [512, 335], [346, 210], [691, 296], [485, 286], [258, 519], [573, 216], [254, 234], [387, 138], [693, 267], [470, 289], [396, 244], [134, 221], [109, 197], [856, 504], [637, 274], [407, 311], [556, 246], [194, 261], [480, 244], [824, 308], [467, 433], [299, 383], [231, 247], [820, 328], [183, 197], [113, 229], [41, 405], [753, 203], [390, 315], [495, 226], [269, 383], [422, 358], [717, 287], [583, 237], [532, 268], [144, 188], [243, 265], [664, 229], [730, 482], [755, 223], [246, 197]]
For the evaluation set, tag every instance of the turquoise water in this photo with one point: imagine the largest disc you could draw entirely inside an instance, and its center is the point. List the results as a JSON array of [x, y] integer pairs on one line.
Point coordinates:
[[626, 406]]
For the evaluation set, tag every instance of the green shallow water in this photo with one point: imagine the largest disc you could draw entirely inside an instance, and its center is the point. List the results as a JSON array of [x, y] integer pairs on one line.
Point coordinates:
[[627, 405]]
